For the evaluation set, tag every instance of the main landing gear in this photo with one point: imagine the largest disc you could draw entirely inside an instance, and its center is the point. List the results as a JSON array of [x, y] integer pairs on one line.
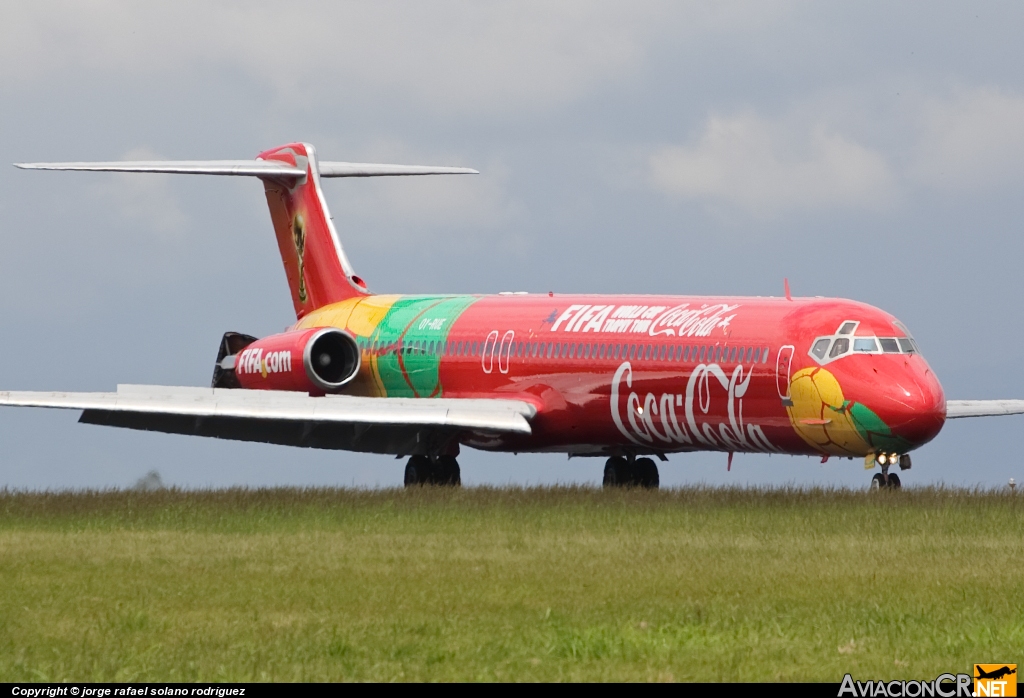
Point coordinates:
[[885, 479], [440, 470], [631, 472]]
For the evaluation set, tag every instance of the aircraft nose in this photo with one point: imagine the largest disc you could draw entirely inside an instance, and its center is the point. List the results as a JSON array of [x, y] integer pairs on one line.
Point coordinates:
[[917, 405]]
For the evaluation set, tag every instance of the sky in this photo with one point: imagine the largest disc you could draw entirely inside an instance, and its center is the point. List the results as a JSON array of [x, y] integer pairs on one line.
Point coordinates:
[[870, 150]]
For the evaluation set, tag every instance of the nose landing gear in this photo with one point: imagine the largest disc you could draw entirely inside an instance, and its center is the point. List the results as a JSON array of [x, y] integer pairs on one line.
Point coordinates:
[[885, 479], [632, 472], [441, 470]]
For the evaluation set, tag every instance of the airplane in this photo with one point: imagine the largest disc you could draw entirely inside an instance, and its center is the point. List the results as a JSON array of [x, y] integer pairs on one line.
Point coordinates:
[[995, 674], [627, 378]]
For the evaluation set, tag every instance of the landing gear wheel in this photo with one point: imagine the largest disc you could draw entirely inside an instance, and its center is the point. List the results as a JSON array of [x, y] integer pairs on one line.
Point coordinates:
[[418, 471], [894, 482], [645, 474], [617, 472], [447, 472], [878, 481]]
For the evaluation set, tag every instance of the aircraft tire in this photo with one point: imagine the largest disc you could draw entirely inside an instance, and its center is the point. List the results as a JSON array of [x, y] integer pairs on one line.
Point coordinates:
[[894, 482], [645, 474], [419, 471], [878, 481], [617, 472], [447, 472]]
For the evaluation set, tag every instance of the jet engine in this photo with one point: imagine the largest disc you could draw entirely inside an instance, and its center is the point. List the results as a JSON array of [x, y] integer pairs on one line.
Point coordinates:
[[317, 360]]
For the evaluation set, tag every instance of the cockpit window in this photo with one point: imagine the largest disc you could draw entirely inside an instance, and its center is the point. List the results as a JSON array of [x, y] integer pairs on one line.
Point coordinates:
[[889, 345], [841, 346], [838, 345]]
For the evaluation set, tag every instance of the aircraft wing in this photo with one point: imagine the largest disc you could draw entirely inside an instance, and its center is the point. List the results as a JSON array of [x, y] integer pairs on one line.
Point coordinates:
[[957, 409], [399, 426]]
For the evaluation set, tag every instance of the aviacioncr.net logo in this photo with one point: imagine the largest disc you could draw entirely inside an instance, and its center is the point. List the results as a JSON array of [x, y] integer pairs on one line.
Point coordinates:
[[943, 686]]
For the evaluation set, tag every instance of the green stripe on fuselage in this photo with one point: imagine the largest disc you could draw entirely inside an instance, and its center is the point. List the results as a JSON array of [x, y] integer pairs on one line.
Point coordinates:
[[422, 323]]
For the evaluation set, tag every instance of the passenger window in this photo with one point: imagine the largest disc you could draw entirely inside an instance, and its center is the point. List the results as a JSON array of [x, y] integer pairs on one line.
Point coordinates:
[[702, 353], [889, 345], [865, 344], [840, 347], [732, 355], [820, 348], [848, 328], [906, 345]]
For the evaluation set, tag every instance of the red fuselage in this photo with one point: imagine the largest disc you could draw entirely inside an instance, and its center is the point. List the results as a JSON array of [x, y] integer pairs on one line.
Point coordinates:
[[650, 374]]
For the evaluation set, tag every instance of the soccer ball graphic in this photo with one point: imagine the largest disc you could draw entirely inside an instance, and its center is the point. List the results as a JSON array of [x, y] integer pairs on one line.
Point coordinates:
[[822, 416], [825, 419]]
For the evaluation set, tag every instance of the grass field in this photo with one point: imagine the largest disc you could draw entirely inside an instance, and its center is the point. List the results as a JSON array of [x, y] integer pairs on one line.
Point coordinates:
[[520, 584]]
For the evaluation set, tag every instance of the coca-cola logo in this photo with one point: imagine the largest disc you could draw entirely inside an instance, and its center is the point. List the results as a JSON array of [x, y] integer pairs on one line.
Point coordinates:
[[653, 420], [684, 321]]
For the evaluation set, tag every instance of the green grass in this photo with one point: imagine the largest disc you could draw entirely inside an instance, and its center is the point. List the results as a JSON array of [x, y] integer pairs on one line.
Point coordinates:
[[521, 584]]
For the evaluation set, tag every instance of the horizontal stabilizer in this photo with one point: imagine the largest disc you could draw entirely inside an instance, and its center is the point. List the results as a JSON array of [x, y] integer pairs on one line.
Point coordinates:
[[238, 168], [364, 169], [958, 409], [247, 168]]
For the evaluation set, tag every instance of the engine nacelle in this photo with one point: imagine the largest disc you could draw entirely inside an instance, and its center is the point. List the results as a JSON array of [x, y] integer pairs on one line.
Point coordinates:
[[318, 360]]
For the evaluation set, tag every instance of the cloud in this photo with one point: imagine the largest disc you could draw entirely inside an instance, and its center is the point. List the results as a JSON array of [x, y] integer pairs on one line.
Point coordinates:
[[450, 55], [957, 143], [434, 205], [144, 200], [767, 168], [970, 140]]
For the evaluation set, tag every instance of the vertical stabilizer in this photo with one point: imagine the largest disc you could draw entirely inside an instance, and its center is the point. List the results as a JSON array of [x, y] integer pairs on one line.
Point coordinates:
[[318, 271]]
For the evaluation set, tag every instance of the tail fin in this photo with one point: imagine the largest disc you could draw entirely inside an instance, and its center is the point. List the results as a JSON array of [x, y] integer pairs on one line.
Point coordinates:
[[318, 271]]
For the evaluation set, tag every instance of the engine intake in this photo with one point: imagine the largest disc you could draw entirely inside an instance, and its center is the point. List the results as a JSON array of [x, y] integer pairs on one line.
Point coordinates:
[[318, 360]]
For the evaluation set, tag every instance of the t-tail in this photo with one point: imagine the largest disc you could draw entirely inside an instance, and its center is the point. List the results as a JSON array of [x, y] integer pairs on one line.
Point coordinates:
[[318, 271]]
